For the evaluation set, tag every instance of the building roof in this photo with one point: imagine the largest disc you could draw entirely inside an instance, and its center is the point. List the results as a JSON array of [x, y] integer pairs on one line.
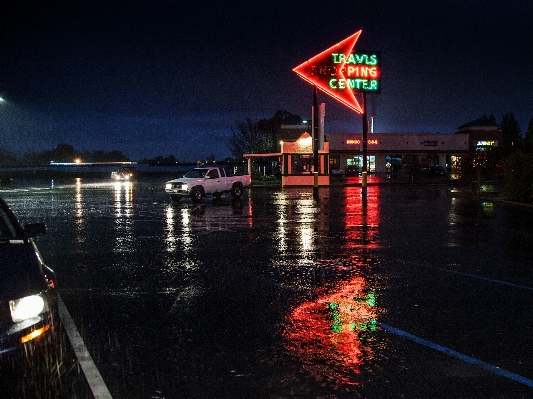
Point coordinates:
[[293, 132], [483, 123]]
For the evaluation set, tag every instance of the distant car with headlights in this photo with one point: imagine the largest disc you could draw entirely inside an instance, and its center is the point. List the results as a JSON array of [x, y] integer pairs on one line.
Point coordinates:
[[351, 170], [125, 173], [29, 318], [201, 182]]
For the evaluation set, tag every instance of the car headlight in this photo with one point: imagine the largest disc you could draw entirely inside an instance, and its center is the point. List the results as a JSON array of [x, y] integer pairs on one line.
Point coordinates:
[[26, 308], [184, 187], [168, 186]]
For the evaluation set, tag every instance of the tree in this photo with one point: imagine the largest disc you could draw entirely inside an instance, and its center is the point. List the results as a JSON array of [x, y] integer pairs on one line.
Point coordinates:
[[248, 139], [282, 117], [259, 136], [518, 170], [491, 120], [7, 158], [67, 153], [528, 140], [477, 167], [511, 137]]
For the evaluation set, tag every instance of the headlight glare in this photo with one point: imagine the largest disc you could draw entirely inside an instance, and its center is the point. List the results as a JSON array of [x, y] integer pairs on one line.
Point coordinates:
[[27, 307]]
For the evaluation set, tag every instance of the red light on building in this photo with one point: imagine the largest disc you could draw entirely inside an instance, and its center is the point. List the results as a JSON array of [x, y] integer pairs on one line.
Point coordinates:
[[353, 142]]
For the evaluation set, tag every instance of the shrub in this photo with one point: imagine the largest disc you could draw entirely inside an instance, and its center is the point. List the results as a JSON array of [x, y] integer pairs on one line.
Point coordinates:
[[518, 172]]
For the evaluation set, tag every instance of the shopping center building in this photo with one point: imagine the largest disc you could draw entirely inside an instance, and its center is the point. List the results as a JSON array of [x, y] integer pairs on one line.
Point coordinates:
[[386, 152]]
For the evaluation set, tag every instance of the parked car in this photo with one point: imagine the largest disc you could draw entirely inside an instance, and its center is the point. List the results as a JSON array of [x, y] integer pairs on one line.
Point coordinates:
[[29, 318], [125, 173], [201, 182], [351, 170], [335, 171]]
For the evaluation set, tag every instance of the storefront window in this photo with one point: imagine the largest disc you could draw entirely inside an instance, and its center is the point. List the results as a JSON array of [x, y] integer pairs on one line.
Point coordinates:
[[334, 161], [427, 161], [393, 163], [302, 164], [455, 163], [358, 161]]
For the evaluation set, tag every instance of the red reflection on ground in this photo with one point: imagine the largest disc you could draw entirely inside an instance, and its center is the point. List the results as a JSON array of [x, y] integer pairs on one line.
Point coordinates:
[[325, 334], [362, 217]]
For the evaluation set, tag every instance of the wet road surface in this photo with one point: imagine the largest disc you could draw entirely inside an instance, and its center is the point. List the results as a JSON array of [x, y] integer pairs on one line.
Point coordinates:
[[414, 292]]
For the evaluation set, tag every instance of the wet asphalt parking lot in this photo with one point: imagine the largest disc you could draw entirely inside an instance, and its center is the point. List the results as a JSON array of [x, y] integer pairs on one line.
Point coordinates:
[[414, 292]]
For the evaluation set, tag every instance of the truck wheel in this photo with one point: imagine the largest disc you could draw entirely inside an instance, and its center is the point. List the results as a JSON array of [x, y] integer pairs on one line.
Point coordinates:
[[236, 191], [196, 195], [175, 198]]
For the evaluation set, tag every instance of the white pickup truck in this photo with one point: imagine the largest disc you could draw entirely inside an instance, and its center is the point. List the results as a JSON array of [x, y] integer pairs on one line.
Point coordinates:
[[200, 182]]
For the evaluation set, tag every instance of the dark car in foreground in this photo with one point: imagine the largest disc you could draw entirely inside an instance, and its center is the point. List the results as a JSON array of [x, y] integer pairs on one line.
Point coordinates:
[[29, 319]]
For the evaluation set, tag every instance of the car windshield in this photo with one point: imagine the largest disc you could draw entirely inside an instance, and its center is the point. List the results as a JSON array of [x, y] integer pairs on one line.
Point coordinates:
[[196, 173], [7, 230]]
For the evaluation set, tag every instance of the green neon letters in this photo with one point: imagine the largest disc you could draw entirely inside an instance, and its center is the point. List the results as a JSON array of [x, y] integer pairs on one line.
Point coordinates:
[[356, 58], [342, 73], [355, 84], [357, 71]]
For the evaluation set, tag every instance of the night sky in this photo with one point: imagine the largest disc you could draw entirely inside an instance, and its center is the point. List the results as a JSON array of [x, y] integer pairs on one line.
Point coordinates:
[[167, 77]]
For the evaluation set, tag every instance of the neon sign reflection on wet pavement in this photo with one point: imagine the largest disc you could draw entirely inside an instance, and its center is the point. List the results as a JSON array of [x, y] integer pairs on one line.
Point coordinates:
[[326, 334]]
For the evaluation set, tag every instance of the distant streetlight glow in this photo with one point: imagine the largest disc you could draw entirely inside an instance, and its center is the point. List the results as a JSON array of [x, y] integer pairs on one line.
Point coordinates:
[[77, 160]]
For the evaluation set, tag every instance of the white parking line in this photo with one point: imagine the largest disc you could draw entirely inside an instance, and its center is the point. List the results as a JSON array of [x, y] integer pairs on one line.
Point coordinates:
[[95, 380], [492, 280], [458, 355]]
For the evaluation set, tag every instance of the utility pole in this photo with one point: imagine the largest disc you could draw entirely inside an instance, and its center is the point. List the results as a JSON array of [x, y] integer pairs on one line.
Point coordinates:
[[316, 133], [365, 146]]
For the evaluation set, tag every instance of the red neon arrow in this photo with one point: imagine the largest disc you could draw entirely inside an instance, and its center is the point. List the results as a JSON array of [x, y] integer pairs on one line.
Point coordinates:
[[320, 69]]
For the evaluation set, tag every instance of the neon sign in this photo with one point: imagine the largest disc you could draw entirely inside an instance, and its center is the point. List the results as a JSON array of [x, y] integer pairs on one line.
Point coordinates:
[[352, 142], [339, 72], [357, 142], [485, 145]]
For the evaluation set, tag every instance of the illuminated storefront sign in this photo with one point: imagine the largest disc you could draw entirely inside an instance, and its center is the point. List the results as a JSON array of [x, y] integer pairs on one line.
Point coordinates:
[[357, 142], [339, 72], [484, 145]]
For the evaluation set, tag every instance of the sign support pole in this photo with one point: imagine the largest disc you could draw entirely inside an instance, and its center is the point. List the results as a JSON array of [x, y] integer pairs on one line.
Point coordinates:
[[316, 132], [365, 145]]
